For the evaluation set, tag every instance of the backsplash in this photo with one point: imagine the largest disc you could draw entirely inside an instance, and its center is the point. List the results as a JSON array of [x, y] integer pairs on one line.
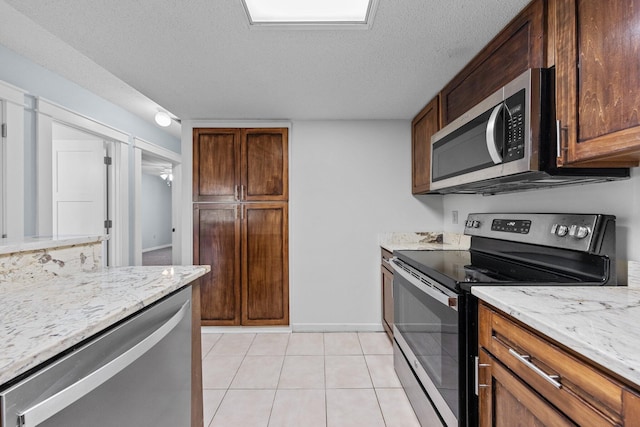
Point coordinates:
[[62, 259]]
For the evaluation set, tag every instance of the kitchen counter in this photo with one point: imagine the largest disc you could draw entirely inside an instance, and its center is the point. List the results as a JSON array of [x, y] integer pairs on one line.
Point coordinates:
[[423, 240], [601, 323], [41, 319]]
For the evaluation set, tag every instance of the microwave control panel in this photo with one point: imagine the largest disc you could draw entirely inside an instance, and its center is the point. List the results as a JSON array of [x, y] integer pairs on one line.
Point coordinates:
[[514, 127]]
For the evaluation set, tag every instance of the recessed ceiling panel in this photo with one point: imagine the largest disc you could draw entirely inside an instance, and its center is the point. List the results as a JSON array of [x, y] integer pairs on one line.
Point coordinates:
[[307, 11]]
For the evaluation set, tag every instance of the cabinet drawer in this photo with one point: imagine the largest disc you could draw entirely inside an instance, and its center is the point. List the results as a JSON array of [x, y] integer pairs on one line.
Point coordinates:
[[584, 393], [385, 256]]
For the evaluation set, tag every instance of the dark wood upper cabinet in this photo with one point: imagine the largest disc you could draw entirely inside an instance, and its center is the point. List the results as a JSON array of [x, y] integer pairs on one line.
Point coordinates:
[[424, 125], [233, 165], [519, 46], [597, 81], [265, 164], [216, 152]]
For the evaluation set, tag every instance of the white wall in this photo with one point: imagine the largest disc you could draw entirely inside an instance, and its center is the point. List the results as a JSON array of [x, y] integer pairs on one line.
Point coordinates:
[[156, 212], [620, 198], [350, 180]]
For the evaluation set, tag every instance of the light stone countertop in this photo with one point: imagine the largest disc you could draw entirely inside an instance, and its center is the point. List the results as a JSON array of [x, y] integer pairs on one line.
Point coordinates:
[[8, 246], [601, 323], [39, 320]]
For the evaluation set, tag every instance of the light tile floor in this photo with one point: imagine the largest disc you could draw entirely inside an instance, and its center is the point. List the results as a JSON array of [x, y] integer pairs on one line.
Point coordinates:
[[302, 380]]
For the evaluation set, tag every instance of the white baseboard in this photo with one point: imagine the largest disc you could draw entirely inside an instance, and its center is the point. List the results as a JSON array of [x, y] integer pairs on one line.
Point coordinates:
[[155, 248], [298, 327], [245, 329], [337, 327]]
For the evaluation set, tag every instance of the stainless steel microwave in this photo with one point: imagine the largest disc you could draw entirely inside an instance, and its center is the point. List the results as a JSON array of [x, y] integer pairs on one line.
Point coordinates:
[[507, 142]]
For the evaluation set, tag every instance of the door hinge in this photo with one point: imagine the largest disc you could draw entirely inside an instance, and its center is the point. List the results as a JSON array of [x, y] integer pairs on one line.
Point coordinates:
[[4, 236], [108, 223], [4, 130], [107, 160]]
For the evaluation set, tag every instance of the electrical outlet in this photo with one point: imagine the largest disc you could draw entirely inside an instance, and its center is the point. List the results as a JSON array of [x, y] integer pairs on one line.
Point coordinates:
[[454, 217]]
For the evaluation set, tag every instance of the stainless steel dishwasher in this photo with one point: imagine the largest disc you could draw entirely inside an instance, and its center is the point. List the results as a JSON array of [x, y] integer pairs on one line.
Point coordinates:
[[137, 373]]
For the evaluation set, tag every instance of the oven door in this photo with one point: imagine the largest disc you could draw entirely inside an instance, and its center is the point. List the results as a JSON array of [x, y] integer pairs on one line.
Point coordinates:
[[428, 331]]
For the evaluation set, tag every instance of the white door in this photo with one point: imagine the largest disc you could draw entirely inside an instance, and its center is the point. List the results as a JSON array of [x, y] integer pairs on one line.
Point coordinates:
[[79, 187]]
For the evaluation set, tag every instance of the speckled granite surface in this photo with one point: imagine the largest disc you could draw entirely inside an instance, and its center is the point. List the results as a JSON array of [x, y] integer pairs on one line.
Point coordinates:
[[44, 258], [40, 319], [600, 323], [8, 246], [423, 240]]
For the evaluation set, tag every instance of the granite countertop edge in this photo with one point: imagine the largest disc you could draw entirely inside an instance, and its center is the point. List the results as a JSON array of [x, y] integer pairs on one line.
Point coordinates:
[[43, 319], [9, 246], [600, 323]]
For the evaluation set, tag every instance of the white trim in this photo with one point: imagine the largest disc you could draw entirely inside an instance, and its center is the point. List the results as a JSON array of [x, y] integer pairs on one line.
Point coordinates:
[[79, 121], [245, 329], [337, 327], [175, 159], [12, 94], [44, 173], [120, 205], [14, 169], [137, 206], [155, 248], [157, 150]]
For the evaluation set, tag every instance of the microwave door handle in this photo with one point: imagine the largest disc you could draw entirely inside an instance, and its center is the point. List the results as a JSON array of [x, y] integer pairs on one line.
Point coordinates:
[[491, 135]]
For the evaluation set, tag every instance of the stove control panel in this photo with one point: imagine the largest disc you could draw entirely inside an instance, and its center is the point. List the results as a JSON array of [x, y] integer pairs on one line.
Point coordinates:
[[582, 232]]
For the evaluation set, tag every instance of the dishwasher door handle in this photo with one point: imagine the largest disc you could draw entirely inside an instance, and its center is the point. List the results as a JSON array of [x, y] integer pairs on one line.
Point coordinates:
[[44, 410]]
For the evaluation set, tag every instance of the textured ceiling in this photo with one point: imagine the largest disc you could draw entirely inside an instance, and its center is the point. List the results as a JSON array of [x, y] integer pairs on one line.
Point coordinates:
[[200, 60]]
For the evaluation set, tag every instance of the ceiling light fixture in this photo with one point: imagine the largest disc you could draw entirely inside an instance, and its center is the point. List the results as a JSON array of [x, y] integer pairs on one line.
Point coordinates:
[[163, 119], [310, 13]]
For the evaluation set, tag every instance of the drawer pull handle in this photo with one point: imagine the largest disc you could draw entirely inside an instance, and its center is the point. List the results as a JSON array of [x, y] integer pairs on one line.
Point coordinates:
[[554, 380]]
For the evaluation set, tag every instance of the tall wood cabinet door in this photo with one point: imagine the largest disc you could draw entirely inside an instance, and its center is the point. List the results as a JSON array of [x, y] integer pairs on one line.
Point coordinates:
[[424, 125], [265, 265], [505, 401], [216, 241], [216, 165], [265, 164], [597, 81]]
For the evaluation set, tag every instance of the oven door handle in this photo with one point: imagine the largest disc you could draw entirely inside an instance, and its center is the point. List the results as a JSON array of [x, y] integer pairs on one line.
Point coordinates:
[[426, 285]]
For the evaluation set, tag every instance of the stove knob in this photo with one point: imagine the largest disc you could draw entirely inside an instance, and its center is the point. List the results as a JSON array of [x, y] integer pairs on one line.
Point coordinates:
[[582, 232], [562, 230], [476, 224], [572, 230]]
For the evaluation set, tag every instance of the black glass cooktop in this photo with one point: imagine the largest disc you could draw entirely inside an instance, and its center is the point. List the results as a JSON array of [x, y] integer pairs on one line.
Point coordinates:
[[463, 269]]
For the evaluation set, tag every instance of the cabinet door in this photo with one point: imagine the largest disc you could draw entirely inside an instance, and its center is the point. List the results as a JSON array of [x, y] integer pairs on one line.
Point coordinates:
[[597, 81], [265, 165], [216, 242], [387, 301], [265, 264], [216, 165], [424, 125], [519, 46], [507, 401]]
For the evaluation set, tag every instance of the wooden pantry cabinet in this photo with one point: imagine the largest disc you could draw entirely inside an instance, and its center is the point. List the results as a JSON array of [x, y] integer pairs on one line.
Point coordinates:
[[524, 378], [597, 80], [241, 225]]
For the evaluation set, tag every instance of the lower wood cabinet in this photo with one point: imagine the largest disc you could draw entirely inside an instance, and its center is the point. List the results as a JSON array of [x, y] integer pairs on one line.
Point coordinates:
[[524, 378], [246, 245], [387, 292]]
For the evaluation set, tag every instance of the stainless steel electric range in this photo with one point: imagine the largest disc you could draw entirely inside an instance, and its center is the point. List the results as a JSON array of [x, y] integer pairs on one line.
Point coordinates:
[[435, 324]]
